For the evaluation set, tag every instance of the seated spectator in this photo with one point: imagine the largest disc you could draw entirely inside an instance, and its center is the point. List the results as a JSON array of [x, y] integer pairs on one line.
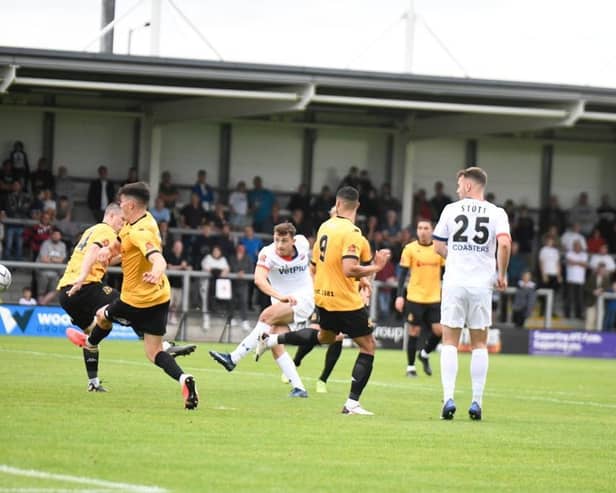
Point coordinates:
[[168, 191], [302, 225], [440, 200], [261, 202], [524, 231], [35, 235], [241, 265], [101, 193], [131, 177], [351, 179], [17, 207], [218, 216], [596, 241], [602, 257], [21, 165], [26, 297], [159, 212], [272, 220], [203, 190], [421, 207], [391, 228], [517, 264], [225, 241], [583, 214], [166, 238], [49, 203], [52, 251], [321, 206], [596, 284], [300, 199], [572, 235], [217, 266], [177, 260], [387, 201], [192, 214], [7, 178], [609, 322], [253, 245], [386, 294], [42, 177], [524, 299], [202, 245], [238, 206], [577, 262], [64, 221], [553, 215], [369, 204], [65, 186]]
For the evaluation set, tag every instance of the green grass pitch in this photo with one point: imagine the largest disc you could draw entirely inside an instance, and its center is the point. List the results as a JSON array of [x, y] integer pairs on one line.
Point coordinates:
[[548, 425]]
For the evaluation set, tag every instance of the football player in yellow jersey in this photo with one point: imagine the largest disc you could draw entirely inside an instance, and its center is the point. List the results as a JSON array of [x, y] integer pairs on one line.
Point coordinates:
[[81, 289], [336, 262], [422, 303], [145, 294]]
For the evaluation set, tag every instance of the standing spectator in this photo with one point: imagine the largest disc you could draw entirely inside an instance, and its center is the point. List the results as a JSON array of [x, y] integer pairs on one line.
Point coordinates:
[[385, 293], [7, 178], [386, 201], [597, 283], [64, 221], [300, 199], [238, 205], [192, 214], [65, 186], [253, 245], [17, 207], [203, 190], [603, 257], [302, 224], [549, 267], [52, 251], [517, 264], [241, 265], [100, 194], [607, 216], [218, 216], [35, 235], [572, 235], [202, 245], [553, 215], [524, 299], [350, 180], [217, 266], [596, 241], [42, 177], [583, 214], [159, 212], [21, 165], [576, 261], [168, 191], [440, 200], [131, 177], [26, 297], [369, 206], [524, 231], [261, 201], [391, 228], [176, 260], [609, 322], [322, 205], [421, 206], [225, 241], [273, 219], [166, 238]]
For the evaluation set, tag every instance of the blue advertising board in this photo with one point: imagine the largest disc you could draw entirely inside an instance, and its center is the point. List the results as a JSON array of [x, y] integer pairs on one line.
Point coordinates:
[[48, 321], [572, 343]]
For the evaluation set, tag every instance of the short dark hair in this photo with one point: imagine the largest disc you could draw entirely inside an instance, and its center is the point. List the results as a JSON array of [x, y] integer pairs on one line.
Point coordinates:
[[138, 190], [284, 229], [348, 194], [475, 173]]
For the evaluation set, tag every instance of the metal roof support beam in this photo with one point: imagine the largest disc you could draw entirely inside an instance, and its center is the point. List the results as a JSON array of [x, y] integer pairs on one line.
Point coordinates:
[[8, 77]]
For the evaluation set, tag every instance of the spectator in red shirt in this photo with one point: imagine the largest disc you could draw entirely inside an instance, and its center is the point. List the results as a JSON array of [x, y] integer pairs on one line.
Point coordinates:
[[595, 242]]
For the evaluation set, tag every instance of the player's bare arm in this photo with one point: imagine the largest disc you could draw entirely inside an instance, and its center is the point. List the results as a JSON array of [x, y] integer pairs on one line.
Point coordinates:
[[159, 265], [90, 258], [262, 283], [351, 267], [502, 260], [440, 247]]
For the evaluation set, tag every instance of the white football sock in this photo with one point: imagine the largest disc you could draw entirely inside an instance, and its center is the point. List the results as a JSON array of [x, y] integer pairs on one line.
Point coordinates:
[[479, 372], [285, 362], [94, 381], [449, 370], [249, 343]]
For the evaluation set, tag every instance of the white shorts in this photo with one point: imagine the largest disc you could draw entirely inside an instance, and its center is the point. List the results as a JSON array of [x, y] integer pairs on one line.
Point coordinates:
[[302, 311], [466, 307]]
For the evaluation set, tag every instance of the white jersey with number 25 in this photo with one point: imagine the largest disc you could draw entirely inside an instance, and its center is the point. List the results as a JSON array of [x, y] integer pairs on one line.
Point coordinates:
[[470, 227]]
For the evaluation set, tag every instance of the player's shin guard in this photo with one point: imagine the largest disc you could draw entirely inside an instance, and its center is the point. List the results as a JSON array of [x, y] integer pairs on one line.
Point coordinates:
[[361, 374], [168, 364], [300, 337], [331, 358], [90, 358], [411, 350], [97, 335]]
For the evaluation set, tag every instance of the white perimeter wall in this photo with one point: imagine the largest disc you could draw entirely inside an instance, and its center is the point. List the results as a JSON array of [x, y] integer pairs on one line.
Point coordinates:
[[26, 126]]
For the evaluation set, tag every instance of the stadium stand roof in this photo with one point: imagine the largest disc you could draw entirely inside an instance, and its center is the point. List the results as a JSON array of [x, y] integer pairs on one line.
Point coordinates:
[[425, 106]]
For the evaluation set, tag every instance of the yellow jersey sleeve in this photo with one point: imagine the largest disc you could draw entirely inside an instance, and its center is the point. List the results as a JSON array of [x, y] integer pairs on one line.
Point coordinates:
[[406, 258], [146, 240], [366, 251]]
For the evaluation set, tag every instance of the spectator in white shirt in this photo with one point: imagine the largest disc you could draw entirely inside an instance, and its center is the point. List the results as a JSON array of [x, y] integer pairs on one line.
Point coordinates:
[[577, 262], [26, 298], [217, 266], [549, 267], [572, 235], [238, 204], [603, 257]]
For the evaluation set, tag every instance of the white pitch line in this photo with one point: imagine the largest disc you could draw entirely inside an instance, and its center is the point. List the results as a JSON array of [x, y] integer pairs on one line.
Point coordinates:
[[31, 473], [416, 387]]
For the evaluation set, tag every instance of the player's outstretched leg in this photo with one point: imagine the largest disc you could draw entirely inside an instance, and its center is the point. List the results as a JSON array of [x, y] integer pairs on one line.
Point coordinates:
[[174, 350], [331, 358]]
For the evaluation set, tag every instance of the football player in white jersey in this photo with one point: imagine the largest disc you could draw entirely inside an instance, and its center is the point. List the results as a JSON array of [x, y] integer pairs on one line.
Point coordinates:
[[467, 235], [283, 273]]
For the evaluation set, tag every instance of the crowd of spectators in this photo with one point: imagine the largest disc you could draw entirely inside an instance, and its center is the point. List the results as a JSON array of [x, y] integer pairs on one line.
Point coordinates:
[[562, 249]]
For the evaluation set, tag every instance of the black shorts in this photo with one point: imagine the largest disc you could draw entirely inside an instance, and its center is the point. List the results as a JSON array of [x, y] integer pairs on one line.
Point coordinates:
[[82, 306], [355, 323], [423, 314], [150, 320]]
